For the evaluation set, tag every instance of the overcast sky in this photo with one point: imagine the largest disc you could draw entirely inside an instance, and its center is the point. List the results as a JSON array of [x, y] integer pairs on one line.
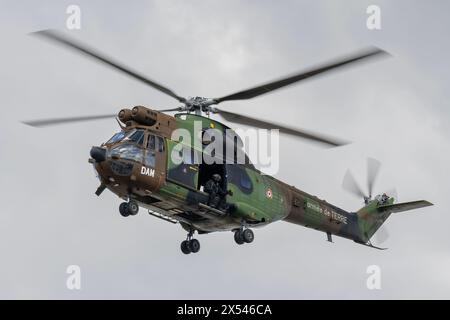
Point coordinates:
[[394, 110]]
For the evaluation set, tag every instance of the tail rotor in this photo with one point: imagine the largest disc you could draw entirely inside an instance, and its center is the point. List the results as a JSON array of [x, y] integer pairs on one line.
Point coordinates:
[[350, 185]]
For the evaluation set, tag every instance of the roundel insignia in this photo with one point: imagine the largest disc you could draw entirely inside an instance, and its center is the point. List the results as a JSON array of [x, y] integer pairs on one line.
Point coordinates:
[[269, 193]]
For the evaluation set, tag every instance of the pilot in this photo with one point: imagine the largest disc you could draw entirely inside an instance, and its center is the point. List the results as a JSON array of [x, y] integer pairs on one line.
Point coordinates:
[[216, 193]]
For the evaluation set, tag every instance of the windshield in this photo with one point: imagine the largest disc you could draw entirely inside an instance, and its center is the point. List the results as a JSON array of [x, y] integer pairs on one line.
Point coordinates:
[[127, 152], [116, 137], [134, 135]]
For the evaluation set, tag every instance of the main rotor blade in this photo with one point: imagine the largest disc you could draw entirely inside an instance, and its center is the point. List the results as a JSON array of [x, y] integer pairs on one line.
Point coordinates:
[[325, 67], [314, 137], [90, 52], [56, 121], [349, 184], [373, 167], [172, 109]]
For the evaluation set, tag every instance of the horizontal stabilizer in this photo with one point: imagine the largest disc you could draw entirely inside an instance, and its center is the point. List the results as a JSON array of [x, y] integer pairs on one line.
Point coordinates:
[[399, 207], [368, 244]]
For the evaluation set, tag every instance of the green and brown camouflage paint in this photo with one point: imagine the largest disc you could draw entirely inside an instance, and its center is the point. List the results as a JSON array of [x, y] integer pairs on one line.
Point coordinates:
[[261, 201]]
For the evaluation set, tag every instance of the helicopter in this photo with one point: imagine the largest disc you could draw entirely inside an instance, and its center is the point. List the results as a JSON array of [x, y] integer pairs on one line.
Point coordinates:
[[137, 165]]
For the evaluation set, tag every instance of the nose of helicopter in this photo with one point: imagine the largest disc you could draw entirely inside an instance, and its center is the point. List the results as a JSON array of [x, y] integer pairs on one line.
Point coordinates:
[[98, 154]]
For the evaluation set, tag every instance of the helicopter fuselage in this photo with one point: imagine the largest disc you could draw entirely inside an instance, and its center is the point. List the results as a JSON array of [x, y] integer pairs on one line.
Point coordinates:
[[139, 165]]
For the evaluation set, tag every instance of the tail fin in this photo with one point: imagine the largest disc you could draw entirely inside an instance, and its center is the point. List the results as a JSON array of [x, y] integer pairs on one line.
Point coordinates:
[[373, 215]]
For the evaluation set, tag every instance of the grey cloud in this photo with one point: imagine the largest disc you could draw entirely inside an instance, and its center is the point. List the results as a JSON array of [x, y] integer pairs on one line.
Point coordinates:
[[394, 110]]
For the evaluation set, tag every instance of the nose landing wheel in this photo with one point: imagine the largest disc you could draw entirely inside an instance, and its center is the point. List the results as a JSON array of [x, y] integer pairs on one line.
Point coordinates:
[[128, 209]]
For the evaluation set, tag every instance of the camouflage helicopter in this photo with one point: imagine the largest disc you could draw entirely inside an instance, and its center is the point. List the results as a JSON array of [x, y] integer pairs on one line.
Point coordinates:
[[136, 165]]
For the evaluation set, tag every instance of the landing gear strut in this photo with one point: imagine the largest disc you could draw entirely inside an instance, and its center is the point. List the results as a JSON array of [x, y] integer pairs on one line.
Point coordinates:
[[190, 245], [242, 235], [130, 208]]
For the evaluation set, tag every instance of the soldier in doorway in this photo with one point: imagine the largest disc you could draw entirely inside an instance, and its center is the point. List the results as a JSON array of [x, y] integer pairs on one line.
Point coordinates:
[[216, 193]]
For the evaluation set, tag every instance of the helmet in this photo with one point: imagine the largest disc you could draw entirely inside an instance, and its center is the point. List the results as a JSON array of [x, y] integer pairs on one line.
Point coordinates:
[[216, 177]]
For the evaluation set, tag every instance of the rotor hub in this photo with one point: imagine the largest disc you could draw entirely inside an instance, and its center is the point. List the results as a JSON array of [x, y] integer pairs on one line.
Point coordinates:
[[200, 104]]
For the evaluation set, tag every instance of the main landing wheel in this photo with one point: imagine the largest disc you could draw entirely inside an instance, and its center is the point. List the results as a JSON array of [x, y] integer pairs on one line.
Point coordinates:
[[248, 235], [185, 247], [190, 246], [238, 237], [243, 236], [194, 245]]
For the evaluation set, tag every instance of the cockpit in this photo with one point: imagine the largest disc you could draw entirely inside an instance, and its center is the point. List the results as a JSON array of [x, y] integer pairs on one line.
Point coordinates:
[[135, 145], [135, 135]]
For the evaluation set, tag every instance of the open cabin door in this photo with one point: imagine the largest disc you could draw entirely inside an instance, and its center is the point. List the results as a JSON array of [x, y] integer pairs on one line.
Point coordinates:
[[185, 167], [182, 165], [206, 171]]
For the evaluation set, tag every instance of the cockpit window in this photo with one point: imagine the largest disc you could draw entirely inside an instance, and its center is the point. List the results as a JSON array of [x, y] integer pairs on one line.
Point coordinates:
[[151, 142], [117, 137], [160, 144], [127, 152], [137, 136], [155, 143]]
